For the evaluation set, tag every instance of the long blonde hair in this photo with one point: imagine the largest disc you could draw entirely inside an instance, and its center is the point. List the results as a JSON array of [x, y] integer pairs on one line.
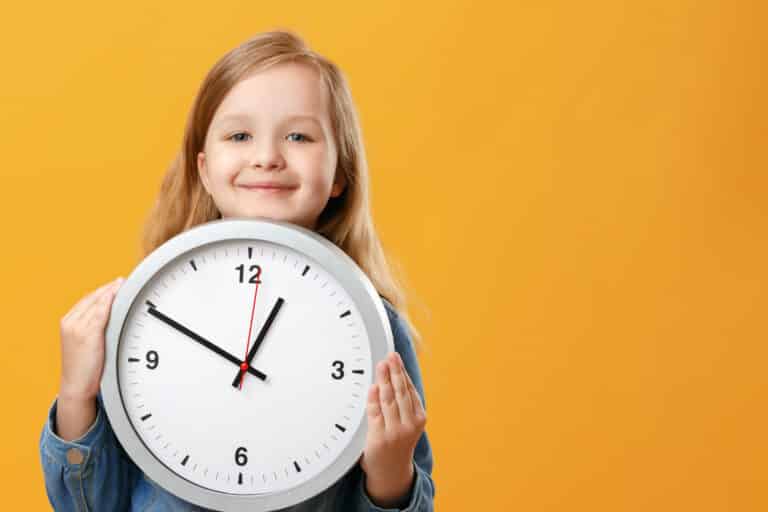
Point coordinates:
[[346, 220]]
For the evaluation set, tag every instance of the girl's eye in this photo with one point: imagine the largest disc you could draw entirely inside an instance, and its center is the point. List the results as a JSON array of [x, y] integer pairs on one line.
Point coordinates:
[[303, 138], [306, 139], [236, 134]]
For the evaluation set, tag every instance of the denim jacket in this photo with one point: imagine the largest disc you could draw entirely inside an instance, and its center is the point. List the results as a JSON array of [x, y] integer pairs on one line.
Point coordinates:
[[94, 474]]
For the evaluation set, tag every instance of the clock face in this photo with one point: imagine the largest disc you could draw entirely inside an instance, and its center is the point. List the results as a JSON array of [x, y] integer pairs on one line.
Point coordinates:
[[304, 395]]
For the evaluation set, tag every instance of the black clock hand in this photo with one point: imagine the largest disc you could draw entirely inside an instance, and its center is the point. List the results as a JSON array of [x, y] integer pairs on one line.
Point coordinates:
[[207, 344], [259, 338]]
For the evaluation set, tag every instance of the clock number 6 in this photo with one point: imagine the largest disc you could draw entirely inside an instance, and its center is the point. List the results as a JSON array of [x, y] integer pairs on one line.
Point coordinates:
[[340, 369], [241, 456], [255, 278]]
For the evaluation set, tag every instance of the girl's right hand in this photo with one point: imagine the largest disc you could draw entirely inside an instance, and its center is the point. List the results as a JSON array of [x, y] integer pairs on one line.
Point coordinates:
[[82, 343]]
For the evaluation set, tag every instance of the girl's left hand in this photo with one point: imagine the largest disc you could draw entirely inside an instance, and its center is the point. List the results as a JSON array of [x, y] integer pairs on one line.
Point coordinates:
[[396, 420]]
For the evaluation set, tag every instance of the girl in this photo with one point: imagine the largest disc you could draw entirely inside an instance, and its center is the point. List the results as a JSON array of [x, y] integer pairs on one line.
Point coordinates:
[[272, 133]]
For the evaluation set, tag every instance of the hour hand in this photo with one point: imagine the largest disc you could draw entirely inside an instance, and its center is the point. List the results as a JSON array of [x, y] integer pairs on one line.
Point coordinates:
[[259, 339], [204, 342]]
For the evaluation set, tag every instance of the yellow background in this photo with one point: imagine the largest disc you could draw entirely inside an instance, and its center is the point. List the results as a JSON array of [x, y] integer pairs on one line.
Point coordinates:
[[576, 190]]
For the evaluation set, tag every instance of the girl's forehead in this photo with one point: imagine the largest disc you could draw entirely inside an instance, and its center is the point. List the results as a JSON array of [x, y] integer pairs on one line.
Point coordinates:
[[283, 89]]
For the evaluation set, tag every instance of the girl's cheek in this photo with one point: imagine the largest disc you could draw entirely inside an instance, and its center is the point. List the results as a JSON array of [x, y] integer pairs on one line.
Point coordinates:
[[315, 161]]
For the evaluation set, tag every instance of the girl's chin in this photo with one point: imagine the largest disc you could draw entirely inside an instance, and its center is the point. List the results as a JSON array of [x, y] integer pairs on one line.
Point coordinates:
[[263, 216]]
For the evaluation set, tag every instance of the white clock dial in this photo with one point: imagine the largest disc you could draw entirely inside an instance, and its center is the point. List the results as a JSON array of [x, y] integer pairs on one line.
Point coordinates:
[[269, 434]]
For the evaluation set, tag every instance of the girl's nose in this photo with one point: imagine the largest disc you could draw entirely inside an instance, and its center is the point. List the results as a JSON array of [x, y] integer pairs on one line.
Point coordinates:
[[266, 155]]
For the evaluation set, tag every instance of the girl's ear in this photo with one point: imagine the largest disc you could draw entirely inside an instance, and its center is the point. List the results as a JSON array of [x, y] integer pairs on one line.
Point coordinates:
[[338, 185], [202, 170]]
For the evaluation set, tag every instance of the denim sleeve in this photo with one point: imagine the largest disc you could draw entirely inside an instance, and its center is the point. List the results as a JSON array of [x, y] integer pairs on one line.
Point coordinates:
[[423, 487], [89, 473]]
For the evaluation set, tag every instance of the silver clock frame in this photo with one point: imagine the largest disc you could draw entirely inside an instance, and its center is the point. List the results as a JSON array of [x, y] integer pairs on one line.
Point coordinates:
[[333, 260]]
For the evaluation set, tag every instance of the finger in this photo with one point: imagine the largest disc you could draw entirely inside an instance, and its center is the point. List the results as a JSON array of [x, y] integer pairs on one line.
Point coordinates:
[[375, 414], [387, 395], [86, 301], [400, 386], [417, 403], [98, 314], [100, 304], [78, 309]]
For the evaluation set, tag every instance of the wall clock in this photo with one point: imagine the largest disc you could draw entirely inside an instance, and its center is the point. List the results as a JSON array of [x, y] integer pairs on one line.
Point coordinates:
[[239, 355]]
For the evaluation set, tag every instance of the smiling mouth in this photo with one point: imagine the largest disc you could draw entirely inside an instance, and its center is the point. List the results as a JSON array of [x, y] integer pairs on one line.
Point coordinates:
[[267, 188]]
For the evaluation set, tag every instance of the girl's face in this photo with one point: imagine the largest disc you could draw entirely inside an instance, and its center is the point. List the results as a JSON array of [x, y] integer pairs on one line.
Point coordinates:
[[269, 151]]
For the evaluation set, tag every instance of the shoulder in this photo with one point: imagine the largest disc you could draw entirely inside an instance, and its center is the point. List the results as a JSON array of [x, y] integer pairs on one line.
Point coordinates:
[[392, 313], [400, 330]]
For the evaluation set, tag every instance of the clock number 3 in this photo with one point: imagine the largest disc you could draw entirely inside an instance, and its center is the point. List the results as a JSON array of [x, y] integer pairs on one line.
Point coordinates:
[[255, 278], [339, 373], [241, 456]]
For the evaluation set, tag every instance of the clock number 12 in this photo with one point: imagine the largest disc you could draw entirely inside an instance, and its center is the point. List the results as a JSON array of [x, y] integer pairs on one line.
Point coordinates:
[[255, 278]]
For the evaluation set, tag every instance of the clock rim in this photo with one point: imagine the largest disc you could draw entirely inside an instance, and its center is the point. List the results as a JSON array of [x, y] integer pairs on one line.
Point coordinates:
[[334, 261]]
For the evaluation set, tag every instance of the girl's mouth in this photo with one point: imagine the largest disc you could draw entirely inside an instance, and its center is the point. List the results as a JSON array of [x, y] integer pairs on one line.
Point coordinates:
[[266, 188]]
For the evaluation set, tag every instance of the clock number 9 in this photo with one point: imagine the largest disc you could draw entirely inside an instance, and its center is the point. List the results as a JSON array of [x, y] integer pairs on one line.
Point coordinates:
[[255, 278], [340, 369], [153, 359], [241, 456]]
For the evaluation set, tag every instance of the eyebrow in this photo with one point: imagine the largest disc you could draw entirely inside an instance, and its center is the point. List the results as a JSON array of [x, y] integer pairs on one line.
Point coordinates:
[[244, 117]]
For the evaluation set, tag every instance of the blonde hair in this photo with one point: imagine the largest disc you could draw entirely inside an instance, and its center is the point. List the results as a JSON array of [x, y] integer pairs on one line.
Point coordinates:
[[346, 220]]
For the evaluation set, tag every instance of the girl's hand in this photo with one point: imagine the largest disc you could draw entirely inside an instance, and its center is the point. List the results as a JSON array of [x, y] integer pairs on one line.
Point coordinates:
[[396, 420], [82, 343]]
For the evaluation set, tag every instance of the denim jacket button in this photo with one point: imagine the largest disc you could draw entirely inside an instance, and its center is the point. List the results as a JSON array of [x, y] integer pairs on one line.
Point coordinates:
[[74, 456]]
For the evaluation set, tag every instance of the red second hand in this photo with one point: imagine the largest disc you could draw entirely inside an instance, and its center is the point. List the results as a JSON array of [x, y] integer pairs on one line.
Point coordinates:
[[244, 364]]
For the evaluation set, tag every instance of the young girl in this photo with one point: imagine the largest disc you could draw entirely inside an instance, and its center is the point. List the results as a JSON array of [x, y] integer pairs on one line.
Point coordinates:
[[272, 133]]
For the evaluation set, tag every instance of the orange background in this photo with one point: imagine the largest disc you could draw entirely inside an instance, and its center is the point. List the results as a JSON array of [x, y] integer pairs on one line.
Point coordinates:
[[576, 190]]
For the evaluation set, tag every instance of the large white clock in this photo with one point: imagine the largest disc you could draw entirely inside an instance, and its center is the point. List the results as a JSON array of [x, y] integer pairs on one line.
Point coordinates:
[[239, 355]]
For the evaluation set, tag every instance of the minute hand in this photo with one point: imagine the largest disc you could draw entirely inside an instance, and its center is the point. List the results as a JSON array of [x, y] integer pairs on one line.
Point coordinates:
[[259, 339], [207, 344]]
